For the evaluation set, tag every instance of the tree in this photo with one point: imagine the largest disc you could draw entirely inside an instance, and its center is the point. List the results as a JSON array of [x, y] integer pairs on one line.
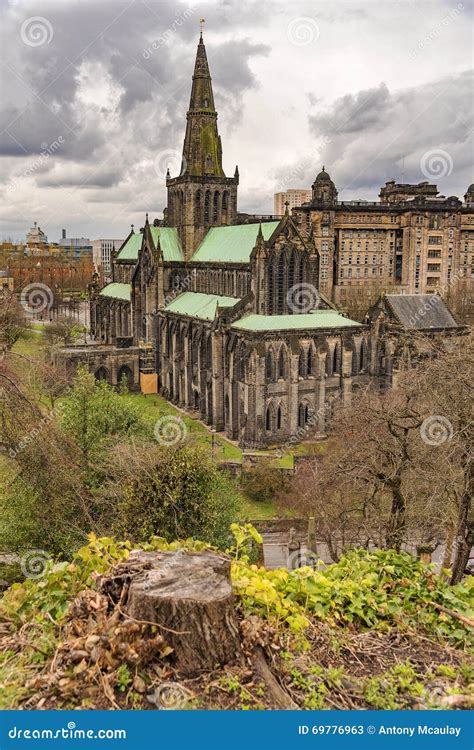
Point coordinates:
[[173, 491], [93, 412], [398, 467], [445, 385], [12, 320], [62, 331], [263, 483]]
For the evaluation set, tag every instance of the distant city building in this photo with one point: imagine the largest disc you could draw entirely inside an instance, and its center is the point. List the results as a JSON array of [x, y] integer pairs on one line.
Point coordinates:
[[6, 282], [102, 253], [36, 236], [77, 246], [294, 197]]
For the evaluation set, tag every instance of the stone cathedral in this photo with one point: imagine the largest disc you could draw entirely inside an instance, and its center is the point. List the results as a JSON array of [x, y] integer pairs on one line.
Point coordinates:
[[223, 314]]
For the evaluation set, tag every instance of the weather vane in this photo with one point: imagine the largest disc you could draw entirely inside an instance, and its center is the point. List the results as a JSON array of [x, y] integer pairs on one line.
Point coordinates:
[[202, 21]]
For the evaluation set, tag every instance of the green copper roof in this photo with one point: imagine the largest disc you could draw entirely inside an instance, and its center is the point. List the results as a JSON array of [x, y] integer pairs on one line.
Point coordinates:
[[131, 248], [117, 291], [197, 305], [169, 243], [321, 319], [231, 244]]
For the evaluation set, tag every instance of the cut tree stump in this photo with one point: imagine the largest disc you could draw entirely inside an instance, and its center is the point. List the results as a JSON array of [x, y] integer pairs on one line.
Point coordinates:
[[188, 595]]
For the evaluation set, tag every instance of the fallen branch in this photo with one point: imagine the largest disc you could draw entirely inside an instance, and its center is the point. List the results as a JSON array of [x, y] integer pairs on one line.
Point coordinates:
[[462, 618], [280, 696]]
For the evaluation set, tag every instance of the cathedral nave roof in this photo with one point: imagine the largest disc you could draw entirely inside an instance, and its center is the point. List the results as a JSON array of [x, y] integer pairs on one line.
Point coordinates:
[[318, 319], [232, 244]]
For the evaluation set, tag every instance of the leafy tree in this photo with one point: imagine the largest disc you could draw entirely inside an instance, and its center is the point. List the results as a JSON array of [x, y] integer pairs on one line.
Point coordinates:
[[263, 483], [61, 331], [171, 491], [93, 412]]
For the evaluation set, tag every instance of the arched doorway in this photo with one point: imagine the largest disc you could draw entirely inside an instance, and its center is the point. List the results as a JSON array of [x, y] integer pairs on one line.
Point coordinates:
[[125, 376], [102, 374]]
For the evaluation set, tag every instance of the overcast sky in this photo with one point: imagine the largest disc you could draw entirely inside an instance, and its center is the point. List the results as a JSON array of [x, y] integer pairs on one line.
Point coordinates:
[[94, 97]]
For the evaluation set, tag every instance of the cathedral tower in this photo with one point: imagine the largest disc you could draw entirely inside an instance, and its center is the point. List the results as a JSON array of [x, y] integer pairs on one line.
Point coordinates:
[[201, 196]]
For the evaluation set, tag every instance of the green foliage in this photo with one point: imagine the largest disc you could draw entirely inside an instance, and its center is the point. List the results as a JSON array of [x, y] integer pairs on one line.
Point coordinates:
[[93, 412], [396, 590], [369, 589], [181, 494], [262, 483]]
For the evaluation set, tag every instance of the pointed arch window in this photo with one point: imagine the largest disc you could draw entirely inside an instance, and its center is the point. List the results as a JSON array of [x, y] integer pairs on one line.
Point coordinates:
[[279, 418], [363, 357], [207, 207], [301, 415], [302, 362], [269, 365], [268, 419], [197, 208], [215, 211], [209, 352], [292, 271], [271, 285], [281, 363], [336, 359], [280, 285], [310, 361]]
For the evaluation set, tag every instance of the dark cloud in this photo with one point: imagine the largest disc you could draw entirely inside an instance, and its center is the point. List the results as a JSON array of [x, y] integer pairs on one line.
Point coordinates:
[[376, 134]]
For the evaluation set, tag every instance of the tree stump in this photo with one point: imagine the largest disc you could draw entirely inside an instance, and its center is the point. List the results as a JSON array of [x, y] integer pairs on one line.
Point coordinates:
[[190, 596]]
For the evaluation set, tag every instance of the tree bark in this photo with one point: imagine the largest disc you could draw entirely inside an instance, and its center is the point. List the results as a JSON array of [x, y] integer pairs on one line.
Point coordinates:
[[189, 596]]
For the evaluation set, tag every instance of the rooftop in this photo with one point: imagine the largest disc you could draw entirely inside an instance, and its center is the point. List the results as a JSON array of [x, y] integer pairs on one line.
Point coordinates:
[[231, 244], [420, 311], [317, 319], [199, 305], [169, 244], [117, 291]]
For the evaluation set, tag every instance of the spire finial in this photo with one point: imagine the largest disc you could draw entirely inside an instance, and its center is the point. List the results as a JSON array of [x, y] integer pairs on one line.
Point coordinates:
[[146, 217], [132, 227], [287, 203], [323, 168], [202, 21]]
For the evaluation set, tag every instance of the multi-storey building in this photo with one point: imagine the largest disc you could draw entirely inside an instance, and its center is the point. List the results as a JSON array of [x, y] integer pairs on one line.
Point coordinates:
[[292, 198], [411, 241], [102, 253]]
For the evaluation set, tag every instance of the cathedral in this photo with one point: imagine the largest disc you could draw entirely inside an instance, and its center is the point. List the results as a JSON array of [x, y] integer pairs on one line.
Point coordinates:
[[224, 313]]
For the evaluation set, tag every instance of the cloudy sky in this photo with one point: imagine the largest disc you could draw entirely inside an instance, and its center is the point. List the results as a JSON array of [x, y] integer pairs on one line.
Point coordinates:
[[94, 97]]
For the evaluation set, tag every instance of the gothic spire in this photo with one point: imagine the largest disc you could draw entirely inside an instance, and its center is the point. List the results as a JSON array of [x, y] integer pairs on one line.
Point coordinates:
[[202, 152]]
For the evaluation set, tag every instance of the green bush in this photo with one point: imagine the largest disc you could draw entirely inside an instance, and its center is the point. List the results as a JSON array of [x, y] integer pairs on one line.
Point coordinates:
[[180, 493]]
